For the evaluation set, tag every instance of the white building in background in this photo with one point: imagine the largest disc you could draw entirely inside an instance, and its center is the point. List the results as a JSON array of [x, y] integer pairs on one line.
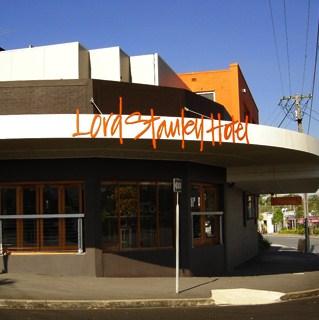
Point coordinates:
[[289, 218], [265, 225]]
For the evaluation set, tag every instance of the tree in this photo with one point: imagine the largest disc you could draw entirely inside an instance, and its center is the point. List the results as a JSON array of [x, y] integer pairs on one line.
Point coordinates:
[[277, 217], [264, 203], [313, 204]]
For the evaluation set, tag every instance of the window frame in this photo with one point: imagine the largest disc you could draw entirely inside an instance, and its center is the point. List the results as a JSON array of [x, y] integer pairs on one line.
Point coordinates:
[[39, 187], [253, 199], [203, 240], [157, 242], [203, 93], [196, 242]]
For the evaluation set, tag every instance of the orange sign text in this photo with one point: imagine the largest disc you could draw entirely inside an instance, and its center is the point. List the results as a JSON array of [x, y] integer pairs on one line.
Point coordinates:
[[155, 128]]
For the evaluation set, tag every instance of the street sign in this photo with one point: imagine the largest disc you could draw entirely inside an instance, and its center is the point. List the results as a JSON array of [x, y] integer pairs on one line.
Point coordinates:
[[285, 201], [177, 185]]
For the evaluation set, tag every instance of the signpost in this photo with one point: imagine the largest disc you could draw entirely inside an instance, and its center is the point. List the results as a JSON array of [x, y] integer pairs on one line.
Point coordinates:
[[305, 208], [177, 188]]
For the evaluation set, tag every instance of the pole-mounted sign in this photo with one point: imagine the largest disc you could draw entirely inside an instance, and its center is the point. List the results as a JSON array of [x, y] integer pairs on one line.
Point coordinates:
[[177, 188], [177, 185]]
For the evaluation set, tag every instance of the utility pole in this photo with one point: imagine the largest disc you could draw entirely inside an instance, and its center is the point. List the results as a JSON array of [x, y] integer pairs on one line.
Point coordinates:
[[298, 116], [295, 101]]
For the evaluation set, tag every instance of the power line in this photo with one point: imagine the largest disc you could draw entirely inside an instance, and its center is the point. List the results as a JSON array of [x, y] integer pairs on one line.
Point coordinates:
[[306, 49], [315, 111], [297, 101], [287, 46], [314, 77], [312, 117], [272, 119], [287, 112], [276, 46]]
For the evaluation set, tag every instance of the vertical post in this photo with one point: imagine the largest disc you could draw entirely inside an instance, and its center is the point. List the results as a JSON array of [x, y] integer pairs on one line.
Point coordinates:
[[298, 112], [80, 236], [177, 188], [305, 206], [1, 244], [177, 244], [221, 229]]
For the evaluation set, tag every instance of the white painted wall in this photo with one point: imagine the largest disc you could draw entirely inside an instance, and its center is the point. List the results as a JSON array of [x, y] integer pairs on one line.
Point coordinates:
[[167, 76], [72, 61], [109, 64], [53, 62], [266, 223], [143, 69], [241, 242], [125, 67]]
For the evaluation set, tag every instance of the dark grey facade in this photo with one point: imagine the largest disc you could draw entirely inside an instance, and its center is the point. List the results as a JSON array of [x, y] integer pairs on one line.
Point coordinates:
[[87, 162]]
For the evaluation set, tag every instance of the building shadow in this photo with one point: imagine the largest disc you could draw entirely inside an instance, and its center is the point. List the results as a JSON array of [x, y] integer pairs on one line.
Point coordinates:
[[278, 260], [198, 285]]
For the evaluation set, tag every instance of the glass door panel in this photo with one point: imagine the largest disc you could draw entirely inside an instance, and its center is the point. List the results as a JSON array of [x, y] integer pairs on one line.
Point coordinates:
[[72, 204], [50, 227], [8, 206], [166, 214], [110, 226], [196, 206], [204, 202], [29, 207], [148, 215], [128, 208], [210, 196]]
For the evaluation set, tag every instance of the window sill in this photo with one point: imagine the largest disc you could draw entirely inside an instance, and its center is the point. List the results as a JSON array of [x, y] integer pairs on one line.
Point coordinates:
[[39, 253]]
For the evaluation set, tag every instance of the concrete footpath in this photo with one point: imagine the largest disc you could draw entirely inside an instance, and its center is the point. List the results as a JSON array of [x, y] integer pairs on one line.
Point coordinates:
[[278, 274]]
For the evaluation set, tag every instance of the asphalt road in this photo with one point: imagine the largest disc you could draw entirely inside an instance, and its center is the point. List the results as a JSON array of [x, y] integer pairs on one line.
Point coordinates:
[[291, 241], [293, 310]]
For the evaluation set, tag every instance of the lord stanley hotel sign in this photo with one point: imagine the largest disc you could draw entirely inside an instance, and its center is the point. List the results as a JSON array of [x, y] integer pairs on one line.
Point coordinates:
[[156, 128]]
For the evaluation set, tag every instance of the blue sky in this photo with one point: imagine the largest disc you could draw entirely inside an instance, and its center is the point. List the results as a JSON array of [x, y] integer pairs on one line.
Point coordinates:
[[189, 35]]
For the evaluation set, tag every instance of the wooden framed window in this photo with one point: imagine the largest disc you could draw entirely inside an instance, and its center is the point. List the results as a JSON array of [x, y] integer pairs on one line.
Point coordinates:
[[137, 215], [206, 219], [109, 216], [8, 206], [250, 207], [128, 215], [41, 234]]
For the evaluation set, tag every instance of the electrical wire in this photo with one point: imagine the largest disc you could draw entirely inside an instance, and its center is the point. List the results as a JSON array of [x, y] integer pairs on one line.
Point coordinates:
[[276, 46], [272, 118], [306, 49], [314, 77], [287, 112], [312, 117], [287, 46], [315, 111]]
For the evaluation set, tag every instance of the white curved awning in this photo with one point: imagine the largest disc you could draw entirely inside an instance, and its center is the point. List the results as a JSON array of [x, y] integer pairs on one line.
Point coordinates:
[[267, 159]]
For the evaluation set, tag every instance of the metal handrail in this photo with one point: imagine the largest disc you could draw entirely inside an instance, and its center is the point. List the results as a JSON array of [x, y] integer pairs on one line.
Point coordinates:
[[79, 216], [207, 213]]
